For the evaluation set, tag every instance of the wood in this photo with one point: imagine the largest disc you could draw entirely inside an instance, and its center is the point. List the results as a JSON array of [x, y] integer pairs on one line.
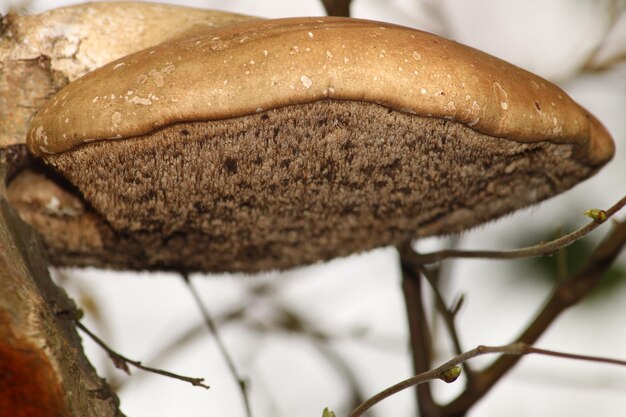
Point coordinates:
[[43, 369], [40, 54], [337, 7]]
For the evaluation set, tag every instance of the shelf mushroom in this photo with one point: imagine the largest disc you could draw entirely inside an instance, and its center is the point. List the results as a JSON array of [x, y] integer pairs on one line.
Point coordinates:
[[278, 143]]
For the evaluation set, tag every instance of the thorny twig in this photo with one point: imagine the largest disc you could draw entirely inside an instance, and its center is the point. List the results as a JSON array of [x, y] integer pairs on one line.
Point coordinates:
[[443, 371], [210, 323], [544, 248]]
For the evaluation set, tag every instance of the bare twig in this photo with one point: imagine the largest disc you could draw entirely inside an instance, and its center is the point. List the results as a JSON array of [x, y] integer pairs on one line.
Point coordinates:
[[435, 14], [448, 318], [89, 303], [566, 293], [337, 7], [544, 248], [122, 362], [192, 333], [419, 334], [561, 261], [615, 11], [321, 340], [241, 382], [442, 372]]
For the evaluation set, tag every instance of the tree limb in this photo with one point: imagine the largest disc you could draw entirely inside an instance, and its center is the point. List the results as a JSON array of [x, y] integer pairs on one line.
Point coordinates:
[[419, 333], [43, 370], [337, 7]]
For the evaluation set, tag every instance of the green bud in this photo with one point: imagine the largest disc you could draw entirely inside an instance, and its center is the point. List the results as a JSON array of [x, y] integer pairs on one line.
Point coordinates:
[[450, 375], [328, 413], [596, 214]]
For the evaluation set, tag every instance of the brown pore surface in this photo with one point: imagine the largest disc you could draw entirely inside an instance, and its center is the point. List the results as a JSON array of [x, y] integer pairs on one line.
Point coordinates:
[[301, 184]]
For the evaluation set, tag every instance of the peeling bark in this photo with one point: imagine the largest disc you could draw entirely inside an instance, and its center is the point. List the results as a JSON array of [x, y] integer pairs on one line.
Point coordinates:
[[40, 54]]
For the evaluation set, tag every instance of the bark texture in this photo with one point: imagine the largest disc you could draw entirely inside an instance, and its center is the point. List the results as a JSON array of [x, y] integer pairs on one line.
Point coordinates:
[[40, 54], [43, 370]]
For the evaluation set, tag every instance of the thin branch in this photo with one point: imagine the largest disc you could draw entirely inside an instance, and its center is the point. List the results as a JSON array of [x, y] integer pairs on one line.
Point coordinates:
[[420, 337], [322, 341], [443, 372], [561, 261], [241, 382], [90, 304], [544, 248], [186, 337], [615, 11], [448, 318], [566, 294], [337, 7], [606, 64], [122, 362]]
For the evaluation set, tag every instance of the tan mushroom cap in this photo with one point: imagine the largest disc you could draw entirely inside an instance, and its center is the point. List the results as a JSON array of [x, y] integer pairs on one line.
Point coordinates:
[[250, 67]]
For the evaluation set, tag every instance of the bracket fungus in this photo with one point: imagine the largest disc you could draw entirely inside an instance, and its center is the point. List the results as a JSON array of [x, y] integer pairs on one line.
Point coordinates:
[[276, 143]]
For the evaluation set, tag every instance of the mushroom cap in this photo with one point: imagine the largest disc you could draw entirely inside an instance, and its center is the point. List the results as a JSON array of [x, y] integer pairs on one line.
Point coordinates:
[[253, 66], [273, 144]]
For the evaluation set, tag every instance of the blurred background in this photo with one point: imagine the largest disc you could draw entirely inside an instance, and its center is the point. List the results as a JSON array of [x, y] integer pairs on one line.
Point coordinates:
[[329, 334]]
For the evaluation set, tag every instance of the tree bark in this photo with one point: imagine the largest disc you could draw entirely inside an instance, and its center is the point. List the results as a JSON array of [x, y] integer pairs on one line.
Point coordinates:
[[337, 7], [43, 369]]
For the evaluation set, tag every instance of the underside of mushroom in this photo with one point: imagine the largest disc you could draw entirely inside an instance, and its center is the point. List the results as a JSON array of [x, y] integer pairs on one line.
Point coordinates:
[[302, 184]]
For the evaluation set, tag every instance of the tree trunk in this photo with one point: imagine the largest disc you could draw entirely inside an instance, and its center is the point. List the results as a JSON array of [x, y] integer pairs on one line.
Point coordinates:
[[43, 370]]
